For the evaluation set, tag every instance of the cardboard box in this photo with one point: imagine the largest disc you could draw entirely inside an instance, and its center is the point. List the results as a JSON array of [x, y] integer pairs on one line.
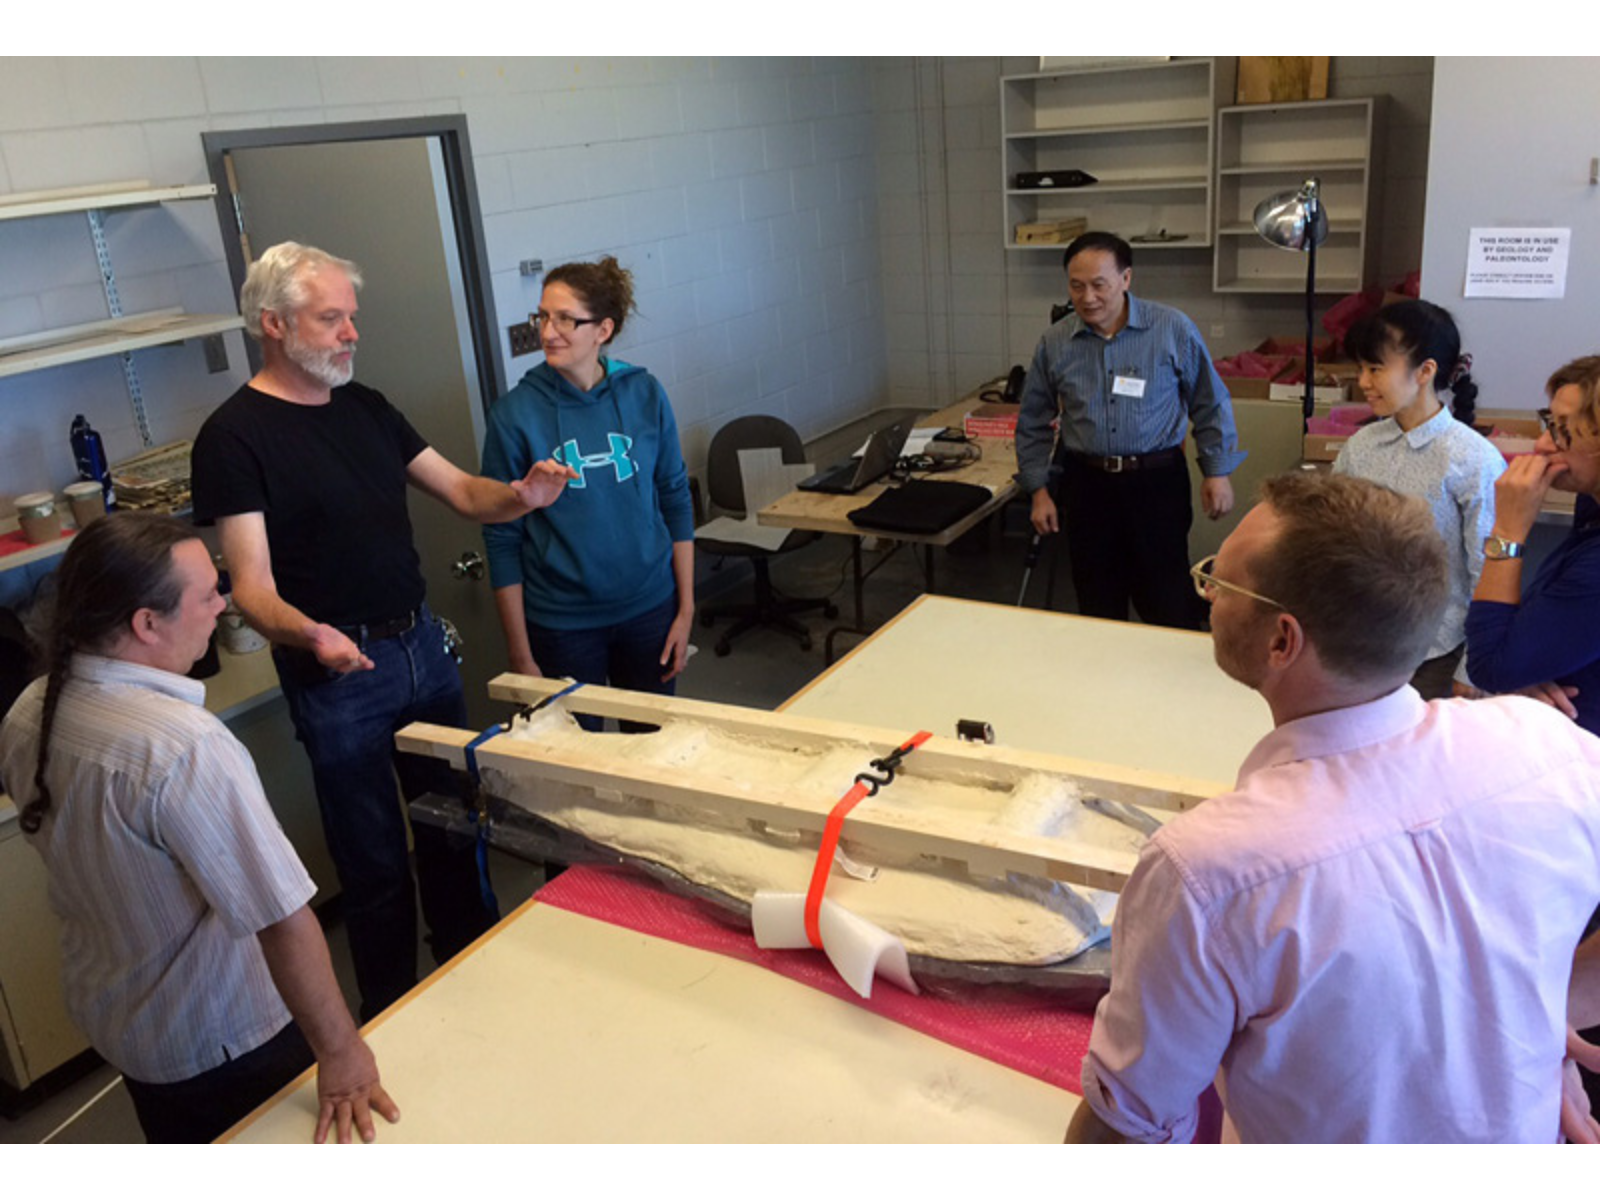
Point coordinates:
[[1050, 233], [1335, 383], [1253, 387], [991, 420], [1323, 447]]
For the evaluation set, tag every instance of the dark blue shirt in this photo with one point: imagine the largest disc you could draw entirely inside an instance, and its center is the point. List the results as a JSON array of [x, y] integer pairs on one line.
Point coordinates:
[[1554, 634]]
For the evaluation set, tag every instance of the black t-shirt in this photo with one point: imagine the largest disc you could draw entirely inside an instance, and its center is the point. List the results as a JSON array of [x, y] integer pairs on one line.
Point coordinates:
[[331, 481]]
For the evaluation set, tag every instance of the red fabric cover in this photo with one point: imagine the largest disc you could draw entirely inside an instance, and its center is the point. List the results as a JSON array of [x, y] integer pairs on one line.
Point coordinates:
[[1025, 1030], [11, 543], [1252, 365]]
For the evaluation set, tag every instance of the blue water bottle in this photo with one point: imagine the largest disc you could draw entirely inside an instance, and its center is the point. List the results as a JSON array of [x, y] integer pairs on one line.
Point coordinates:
[[90, 452]]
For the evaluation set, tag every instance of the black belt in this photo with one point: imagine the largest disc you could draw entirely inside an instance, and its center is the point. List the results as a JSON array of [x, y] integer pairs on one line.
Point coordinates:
[[378, 630], [1119, 463]]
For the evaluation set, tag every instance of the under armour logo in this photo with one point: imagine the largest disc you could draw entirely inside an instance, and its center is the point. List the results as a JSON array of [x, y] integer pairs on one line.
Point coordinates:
[[616, 458]]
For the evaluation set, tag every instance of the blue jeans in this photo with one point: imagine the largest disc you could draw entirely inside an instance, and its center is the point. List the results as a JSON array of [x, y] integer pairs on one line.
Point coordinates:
[[347, 724], [625, 655]]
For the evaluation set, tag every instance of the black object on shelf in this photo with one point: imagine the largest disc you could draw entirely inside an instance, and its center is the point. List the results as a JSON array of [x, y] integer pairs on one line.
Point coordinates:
[[1048, 180]]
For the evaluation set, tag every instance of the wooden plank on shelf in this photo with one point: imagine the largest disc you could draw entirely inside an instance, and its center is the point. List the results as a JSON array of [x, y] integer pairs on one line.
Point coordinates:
[[1282, 79], [131, 333], [65, 334]]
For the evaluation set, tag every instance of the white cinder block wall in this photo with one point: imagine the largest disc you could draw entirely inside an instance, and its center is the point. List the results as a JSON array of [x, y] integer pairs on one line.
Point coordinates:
[[960, 309], [742, 193], [813, 238]]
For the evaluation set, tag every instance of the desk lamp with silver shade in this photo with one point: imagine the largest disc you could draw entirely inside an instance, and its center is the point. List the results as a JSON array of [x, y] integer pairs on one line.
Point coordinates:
[[1296, 220]]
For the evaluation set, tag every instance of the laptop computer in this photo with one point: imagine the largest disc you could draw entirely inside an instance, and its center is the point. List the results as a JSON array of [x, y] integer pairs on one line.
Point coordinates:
[[876, 461]]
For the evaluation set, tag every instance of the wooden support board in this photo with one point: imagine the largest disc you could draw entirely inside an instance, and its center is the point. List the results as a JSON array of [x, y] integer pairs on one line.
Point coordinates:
[[1131, 785], [983, 851]]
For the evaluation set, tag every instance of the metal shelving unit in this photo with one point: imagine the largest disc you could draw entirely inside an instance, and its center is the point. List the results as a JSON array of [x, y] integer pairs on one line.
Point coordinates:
[[122, 334]]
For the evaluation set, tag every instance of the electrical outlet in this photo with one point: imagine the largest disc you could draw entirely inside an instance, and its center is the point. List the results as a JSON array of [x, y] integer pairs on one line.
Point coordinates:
[[216, 353], [523, 339]]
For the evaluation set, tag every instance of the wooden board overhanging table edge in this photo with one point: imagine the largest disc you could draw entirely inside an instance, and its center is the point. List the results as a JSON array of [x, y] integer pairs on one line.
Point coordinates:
[[980, 851]]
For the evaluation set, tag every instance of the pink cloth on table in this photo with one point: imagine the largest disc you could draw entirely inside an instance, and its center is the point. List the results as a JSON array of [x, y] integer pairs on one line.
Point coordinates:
[[1026, 1032]]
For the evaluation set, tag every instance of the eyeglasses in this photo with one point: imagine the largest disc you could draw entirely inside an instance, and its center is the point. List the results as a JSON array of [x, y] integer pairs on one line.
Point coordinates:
[[1560, 432], [1207, 584], [562, 323]]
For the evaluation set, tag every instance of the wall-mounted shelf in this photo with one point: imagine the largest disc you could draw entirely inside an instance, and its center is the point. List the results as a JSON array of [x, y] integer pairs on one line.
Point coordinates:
[[104, 338], [129, 193], [121, 334]]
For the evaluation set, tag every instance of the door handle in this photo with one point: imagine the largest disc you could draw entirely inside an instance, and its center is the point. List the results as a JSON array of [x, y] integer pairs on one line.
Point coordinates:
[[469, 566]]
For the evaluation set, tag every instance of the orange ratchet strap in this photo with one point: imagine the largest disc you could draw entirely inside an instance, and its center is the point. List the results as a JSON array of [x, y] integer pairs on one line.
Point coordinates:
[[866, 785]]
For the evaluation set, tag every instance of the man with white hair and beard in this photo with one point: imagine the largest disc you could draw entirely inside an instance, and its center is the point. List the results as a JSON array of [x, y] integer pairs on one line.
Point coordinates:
[[304, 473], [1371, 936]]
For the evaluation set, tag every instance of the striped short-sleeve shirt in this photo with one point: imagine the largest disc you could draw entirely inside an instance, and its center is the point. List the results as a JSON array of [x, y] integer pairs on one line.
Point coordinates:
[[164, 862]]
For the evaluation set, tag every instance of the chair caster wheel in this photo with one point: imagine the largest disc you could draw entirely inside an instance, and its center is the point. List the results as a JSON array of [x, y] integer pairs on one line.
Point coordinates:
[[723, 649], [830, 610], [805, 645]]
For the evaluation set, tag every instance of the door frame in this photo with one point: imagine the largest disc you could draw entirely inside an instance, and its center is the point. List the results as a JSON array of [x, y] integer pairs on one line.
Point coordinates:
[[456, 152]]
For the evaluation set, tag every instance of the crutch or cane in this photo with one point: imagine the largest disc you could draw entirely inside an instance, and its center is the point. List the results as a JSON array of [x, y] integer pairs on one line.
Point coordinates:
[[1029, 561]]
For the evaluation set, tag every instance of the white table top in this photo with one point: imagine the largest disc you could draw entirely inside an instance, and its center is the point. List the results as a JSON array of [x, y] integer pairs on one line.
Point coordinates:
[[1109, 691], [562, 1028]]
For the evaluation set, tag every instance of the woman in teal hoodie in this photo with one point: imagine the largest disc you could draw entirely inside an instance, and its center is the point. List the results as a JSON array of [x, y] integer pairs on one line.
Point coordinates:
[[600, 585]]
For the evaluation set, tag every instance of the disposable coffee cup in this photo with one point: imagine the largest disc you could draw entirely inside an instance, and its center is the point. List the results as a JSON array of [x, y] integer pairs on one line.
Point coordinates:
[[87, 499], [37, 515]]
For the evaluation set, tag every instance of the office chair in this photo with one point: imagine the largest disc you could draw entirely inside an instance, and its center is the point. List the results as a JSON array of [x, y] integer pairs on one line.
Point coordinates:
[[725, 487]]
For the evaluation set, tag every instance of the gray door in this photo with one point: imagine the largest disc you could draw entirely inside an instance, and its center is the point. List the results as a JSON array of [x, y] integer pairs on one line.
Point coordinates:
[[384, 204]]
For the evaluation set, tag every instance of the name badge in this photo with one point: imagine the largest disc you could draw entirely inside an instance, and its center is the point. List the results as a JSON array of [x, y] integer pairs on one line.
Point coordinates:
[[1127, 385]]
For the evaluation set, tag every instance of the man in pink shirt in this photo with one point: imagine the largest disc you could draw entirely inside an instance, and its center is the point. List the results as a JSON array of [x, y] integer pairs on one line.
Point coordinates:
[[1372, 937]]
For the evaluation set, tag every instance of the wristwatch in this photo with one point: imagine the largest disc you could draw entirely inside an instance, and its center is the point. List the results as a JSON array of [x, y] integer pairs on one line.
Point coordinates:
[[1499, 548]]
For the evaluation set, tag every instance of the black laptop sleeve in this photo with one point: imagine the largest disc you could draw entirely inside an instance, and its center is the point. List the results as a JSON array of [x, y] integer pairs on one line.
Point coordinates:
[[920, 506]]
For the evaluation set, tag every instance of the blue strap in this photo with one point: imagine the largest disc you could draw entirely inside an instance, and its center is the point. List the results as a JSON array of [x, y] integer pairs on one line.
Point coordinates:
[[485, 891], [551, 699], [471, 752], [481, 820]]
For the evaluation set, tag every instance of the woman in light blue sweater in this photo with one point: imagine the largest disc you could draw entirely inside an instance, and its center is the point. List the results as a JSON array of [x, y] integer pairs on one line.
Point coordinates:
[[1409, 352], [600, 585]]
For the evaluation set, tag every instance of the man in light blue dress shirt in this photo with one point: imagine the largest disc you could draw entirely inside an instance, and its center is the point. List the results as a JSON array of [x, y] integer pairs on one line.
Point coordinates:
[[1126, 377]]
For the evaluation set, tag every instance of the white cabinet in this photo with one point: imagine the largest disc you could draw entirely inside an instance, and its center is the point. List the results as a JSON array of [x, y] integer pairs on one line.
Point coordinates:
[[35, 1034], [1145, 131], [1264, 149]]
